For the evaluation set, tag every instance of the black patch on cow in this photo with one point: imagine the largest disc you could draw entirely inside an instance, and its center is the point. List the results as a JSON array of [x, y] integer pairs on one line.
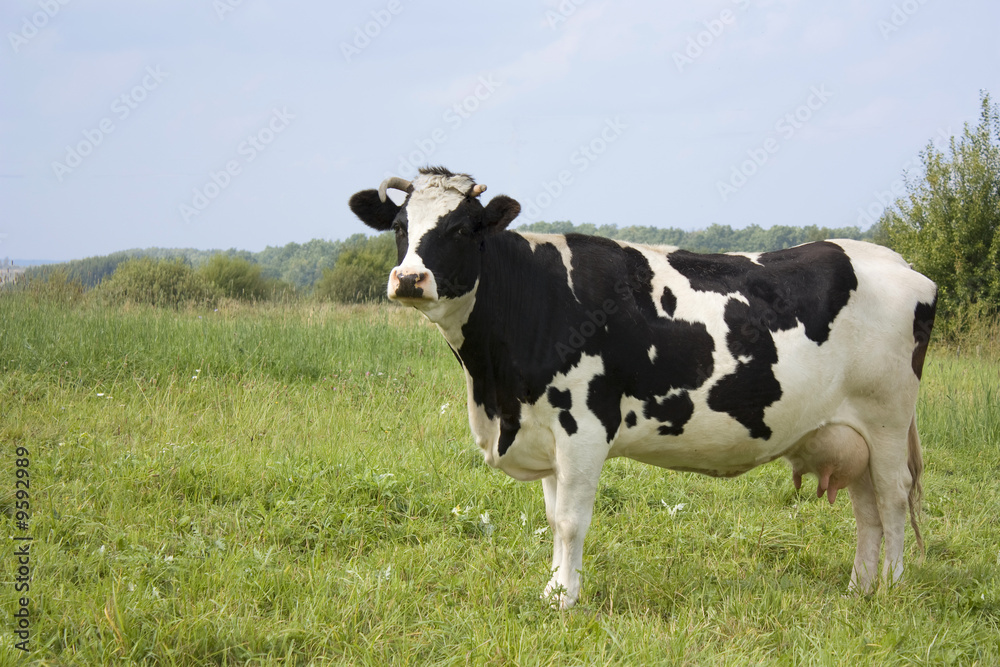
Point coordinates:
[[684, 349], [563, 400], [808, 284], [527, 326], [668, 301], [560, 399], [752, 387], [923, 322], [672, 411], [567, 421], [630, 419], [510, 424], [604, 400]]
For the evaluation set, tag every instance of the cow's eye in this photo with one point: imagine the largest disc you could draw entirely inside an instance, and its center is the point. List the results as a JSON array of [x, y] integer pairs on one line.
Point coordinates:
[[398, 228]]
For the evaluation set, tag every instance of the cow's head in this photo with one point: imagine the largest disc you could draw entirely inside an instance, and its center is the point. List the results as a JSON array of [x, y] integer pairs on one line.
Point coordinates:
[[441, 230]]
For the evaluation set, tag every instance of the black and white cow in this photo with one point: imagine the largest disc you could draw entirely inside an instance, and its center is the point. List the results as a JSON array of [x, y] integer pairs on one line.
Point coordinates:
[[578, 348]]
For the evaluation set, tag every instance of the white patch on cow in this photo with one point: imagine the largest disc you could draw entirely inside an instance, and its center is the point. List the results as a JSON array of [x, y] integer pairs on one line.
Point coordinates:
[[744, 359], [450, 315], [558, 241], [652, 353]]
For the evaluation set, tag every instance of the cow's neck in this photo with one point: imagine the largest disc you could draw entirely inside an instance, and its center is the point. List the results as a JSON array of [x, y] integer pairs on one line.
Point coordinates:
[[451, 315], [502, 343]]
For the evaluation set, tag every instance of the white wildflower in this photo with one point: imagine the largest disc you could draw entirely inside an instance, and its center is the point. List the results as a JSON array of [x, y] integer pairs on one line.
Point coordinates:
[[444, 407], [672, 511], [485, 517], [541, 531]]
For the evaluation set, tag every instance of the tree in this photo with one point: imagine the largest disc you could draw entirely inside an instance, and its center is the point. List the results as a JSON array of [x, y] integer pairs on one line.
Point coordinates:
[[948, 223]]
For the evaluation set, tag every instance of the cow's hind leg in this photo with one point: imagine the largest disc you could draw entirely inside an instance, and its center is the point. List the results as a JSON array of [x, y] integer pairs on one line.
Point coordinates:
[[866, 515], [891, 481]]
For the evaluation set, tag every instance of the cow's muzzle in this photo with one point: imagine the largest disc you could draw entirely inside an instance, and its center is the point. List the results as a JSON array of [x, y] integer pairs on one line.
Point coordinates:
[[405, 284]]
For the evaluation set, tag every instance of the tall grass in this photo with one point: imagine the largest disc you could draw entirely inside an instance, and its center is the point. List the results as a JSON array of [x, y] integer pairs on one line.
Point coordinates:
[[297, 485]]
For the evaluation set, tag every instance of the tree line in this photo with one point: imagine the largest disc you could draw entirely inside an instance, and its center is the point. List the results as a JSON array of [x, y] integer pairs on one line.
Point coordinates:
[[945, 224]]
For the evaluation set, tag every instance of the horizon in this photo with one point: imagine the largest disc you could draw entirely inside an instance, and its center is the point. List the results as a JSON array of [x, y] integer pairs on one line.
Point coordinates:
[[26, 263]]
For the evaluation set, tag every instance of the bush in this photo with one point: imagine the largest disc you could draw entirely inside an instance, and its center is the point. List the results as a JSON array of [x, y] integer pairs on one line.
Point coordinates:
[[237, 278], [361, 273], [165, 282], [55, 286]]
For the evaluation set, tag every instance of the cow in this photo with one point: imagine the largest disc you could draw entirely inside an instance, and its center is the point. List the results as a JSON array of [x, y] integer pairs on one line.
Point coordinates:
[[577, 349]]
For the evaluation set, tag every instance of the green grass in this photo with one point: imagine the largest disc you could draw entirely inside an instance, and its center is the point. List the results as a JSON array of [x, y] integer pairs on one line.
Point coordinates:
[[297, 485]]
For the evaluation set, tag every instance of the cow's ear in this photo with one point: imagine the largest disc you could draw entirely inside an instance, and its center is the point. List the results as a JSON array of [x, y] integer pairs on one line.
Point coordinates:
[[374, 212], [500, 212]]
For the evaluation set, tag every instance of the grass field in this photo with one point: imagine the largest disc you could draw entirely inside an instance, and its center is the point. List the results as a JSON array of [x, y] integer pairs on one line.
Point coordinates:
[[297, 485]]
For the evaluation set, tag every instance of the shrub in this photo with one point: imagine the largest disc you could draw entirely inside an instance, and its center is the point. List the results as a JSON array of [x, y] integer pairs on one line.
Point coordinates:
[[361, 272], [237, 278], [165, 282], [55, 286]]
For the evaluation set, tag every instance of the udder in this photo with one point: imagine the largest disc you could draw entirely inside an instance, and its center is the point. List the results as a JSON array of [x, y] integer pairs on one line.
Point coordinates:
[[836, 454]]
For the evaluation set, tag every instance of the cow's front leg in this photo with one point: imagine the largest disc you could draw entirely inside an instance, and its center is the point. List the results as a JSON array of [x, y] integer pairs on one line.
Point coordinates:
[[550, 488], [569, 507]]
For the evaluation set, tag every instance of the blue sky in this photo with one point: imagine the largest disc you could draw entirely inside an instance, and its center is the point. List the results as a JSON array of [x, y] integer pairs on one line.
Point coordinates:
[[229, 123]]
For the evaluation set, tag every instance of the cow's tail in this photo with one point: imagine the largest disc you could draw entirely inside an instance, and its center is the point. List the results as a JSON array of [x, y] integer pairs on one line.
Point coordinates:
[[923, 322], [915, 462]]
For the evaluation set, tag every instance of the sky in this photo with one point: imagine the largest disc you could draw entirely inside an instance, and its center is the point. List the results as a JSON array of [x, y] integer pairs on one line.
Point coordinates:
[[249, 123]]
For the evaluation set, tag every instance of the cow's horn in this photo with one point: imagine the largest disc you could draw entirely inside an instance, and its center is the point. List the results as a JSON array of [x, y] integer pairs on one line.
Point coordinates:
[[478, 189], [396, 183]]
